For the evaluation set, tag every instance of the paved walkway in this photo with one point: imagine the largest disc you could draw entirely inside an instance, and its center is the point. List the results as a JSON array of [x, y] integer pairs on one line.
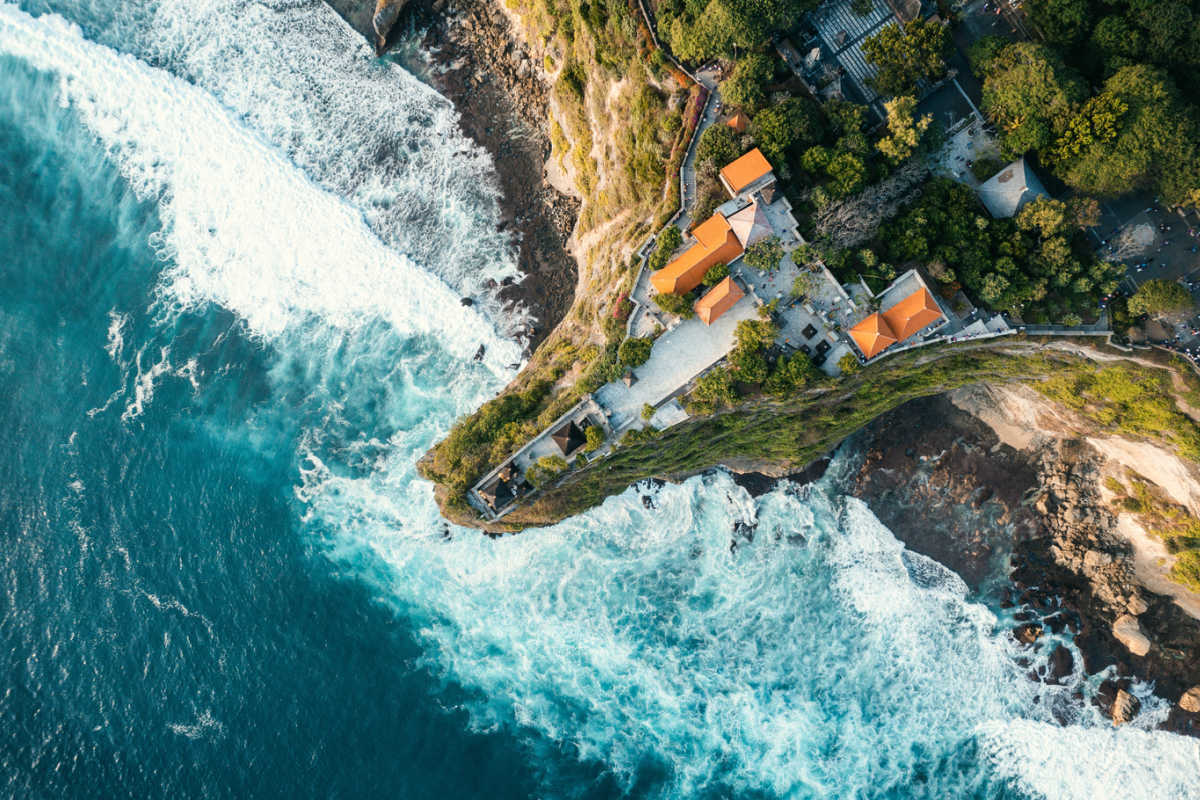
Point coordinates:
[[688, 171]]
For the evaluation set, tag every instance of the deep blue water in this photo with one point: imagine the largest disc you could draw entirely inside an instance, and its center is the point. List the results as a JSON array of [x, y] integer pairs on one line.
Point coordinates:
[[229, 325], [166, 630]]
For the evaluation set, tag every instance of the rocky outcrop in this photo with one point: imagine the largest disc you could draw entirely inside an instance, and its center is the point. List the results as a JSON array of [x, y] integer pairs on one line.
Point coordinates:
[[1127, 632], [387, 12], [1125, 707]]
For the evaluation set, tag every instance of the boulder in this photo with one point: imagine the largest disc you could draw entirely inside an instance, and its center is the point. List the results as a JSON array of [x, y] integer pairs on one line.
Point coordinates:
[[1062, 664], [1127, 631], [1190, 701], [1125, 707], [1137, 605], [386, 14], [1027, 633]]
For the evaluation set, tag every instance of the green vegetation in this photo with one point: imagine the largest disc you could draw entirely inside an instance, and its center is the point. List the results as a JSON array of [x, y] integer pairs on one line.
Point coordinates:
[[647, 412], [668, 242], [718, 145], [905, 58], [1129, 400], [545, 469], [786, 128], [764, 256], [681, 305], [716, 273], [746, 86], [697, 30], [789, 432], [634, 351], [1167, 520], [1158, 296], [594, 435], [1039, 265], [849, 364], [904, 129], [714, 390], [1139, 131], [791, 374]]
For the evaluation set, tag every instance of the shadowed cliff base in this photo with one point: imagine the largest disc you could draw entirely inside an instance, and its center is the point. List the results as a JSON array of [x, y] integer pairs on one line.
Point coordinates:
[[479, 65]]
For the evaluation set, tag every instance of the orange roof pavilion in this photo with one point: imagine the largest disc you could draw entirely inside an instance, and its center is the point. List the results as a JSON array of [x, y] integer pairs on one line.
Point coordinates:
[[873, 336], [912, 314], [715, 242], [745, 171], [878, 332], [739, 122], [718, 300]]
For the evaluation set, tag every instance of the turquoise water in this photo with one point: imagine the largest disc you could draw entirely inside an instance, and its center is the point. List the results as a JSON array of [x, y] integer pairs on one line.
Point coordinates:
[[224, 341]]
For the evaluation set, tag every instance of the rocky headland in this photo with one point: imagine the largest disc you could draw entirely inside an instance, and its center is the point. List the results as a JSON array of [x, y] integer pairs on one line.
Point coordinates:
[[1022, 513]]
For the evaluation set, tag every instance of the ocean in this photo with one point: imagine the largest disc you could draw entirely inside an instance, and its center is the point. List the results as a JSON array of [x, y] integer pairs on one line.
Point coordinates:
[[234, 244]]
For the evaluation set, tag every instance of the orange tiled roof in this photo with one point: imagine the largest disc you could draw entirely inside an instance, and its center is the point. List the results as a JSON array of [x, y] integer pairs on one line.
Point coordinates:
[[739, 122], [714, 242], [718, 300], [745, 170], [873, 335], [912, 314]]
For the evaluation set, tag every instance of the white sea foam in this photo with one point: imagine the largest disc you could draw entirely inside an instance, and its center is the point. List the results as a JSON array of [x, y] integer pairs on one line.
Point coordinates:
[[243, 227], [819, 659], [361, 127]]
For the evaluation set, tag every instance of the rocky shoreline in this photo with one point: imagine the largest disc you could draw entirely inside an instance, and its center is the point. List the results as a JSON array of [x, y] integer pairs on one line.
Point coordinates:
[[496, 85], [1029, 532]]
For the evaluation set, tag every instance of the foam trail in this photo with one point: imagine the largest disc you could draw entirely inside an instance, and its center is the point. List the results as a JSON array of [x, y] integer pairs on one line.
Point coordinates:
[[243, 227], [361, 127], [819, 658]]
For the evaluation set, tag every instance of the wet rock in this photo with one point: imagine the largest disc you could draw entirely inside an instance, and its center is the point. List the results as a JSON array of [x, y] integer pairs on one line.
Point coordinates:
[[384, 19], [1125, 707], [479, 353], [468, 302], [1190, 701], [1062, 664], [1028, 633], [1127, 631]]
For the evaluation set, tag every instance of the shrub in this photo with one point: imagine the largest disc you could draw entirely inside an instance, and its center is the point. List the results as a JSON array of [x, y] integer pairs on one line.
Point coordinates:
[[544, 470], [647, 412], [595, 437], [635, 351], [714, 390], [764, 256], [747, 85], [677, 304], [849, 364], [791, 373], [668, 242], [716, 273]]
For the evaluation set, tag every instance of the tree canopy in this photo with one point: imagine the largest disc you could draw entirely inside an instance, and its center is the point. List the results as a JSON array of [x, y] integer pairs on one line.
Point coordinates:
[[903, 58], [746, 87], [904, 129], [764, 256], [702, 29], [1157, 296], [1032, 95], [789, 125]]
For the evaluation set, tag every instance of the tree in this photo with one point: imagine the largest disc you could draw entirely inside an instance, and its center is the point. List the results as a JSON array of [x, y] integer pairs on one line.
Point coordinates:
[[718, 145], [1032, 95], [803, 283], [747, 84], [1151, 144], [903, 58], [904, 129], [792, 123], [668, 242], [748, 366], [544, 470], [594, 435], [716, 273], [1157, 296], [983, 51], [634, 351], [849, 364], [755, 334], [764, 256], [1045, 215], [647, 411], [1117, 43], [1063, 22], [676, 304], [713, 390], [791, 373], [847, 175]]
